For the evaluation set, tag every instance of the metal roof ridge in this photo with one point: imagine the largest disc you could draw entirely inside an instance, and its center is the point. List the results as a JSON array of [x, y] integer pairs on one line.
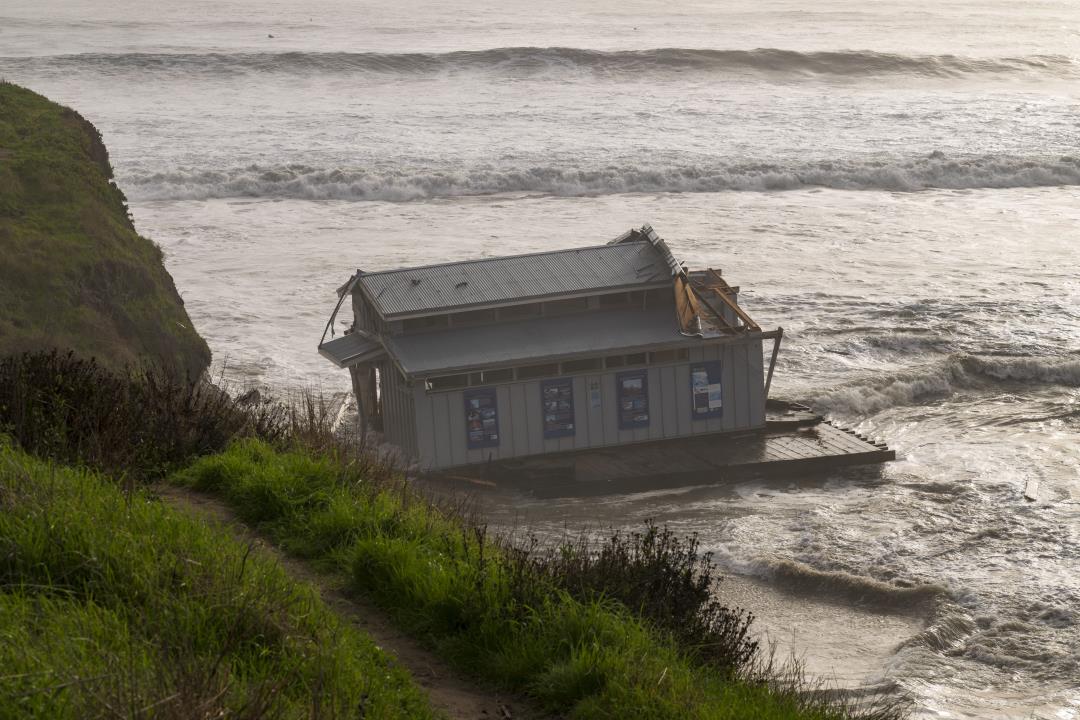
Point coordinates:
[[474, 261]]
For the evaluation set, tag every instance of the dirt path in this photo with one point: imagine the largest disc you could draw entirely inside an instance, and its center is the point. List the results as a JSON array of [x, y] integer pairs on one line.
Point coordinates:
[[455, 696]]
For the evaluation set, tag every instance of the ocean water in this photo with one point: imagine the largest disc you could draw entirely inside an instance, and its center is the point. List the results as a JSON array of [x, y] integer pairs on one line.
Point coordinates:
[[896, 184]]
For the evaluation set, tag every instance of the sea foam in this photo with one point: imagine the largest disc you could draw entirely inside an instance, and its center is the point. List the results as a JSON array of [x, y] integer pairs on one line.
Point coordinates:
[[533, 61], [943, 378], [416, 183]]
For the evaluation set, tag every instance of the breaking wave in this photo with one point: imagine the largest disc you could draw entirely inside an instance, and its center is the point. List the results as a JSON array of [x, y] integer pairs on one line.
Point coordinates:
[[943, 378], [947, 631], [798, 577], [404, 184], [537, 60]]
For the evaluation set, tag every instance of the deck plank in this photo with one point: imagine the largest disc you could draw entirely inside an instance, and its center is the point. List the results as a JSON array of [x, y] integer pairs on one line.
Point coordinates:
[[782, 448]]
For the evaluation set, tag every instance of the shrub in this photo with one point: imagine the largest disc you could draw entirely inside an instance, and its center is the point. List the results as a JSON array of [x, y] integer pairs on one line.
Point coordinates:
[[141, 424], [664, 578]]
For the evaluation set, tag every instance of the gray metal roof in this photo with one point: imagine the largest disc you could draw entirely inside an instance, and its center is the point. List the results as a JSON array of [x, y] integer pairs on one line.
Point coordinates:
[[351, 349], [517, 278], [535, 341]]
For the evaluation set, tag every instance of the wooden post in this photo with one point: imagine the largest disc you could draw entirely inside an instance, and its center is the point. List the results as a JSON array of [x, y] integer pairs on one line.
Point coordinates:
[[772, 362], [723, 289]]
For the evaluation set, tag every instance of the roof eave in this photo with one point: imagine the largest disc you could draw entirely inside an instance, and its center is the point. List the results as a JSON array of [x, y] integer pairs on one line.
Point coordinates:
[[347, 361]]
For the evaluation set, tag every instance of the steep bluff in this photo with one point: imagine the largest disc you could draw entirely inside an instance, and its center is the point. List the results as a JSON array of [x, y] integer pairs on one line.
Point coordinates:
[[74, 273]]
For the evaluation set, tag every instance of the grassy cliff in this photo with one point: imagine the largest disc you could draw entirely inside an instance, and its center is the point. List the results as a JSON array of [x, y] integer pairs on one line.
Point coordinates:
[[114, 605], [74, 273]]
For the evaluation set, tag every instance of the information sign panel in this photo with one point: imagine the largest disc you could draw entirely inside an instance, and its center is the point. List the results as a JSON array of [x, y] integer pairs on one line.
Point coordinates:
[[481, 418], [706, 390], [633, 396], [557, 399]]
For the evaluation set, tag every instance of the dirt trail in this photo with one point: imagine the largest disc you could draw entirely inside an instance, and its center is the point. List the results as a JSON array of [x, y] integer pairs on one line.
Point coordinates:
[[455, 696]]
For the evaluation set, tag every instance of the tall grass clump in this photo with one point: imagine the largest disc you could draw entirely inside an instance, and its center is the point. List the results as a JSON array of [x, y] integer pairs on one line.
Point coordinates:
[[112, 605], [142, 423], [584, 633], [664, 578], [145, 422]]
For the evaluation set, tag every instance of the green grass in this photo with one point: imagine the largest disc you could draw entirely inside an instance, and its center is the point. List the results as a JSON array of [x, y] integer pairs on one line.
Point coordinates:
[[75, 274], [115, 605], [467, 597]]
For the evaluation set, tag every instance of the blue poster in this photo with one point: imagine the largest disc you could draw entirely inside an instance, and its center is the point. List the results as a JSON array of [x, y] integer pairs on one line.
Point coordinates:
[[707, 398], [632, 389], [481, 418], [557, 399]]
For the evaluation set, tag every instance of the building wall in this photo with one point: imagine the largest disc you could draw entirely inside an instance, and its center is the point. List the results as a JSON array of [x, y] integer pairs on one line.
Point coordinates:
[[441, 439], [398, 409], [365, 317]]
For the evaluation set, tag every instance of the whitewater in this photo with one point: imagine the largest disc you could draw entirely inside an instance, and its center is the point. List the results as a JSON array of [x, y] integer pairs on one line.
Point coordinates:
[[896, 184]]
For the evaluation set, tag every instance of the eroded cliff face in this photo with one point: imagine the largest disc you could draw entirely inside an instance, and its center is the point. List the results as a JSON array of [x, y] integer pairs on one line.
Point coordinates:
[[74, 273]]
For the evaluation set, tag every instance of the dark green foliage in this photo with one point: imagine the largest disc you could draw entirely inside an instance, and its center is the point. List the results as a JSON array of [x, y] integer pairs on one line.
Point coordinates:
[[665, 579], [112, 605], [74, 273], [141, 424]]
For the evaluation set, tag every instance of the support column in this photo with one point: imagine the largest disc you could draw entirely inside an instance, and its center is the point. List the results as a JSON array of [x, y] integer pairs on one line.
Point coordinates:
[[772, 362], [363, 382]]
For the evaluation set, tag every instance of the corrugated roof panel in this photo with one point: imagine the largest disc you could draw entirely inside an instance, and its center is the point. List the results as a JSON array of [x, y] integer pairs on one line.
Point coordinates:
[[534, 341], [351, 349], [519, 277]]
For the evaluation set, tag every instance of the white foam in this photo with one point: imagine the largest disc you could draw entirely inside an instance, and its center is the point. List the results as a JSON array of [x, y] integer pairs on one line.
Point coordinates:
[[941, 379], [533, 60], [438, 180]]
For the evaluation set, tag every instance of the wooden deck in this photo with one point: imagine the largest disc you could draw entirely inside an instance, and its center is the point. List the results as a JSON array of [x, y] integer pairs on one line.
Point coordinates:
[[799, 442]]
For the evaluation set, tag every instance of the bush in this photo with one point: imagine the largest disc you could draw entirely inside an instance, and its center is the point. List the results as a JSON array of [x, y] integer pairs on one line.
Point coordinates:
[[142, 424], [663, 578]]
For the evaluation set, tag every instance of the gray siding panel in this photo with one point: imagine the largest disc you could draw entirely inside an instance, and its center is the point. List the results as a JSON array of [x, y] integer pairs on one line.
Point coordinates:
[[684, 423], [533, 410], [657, 399], [520, 441], [439, 433], [730, 403], [611, 412], [757, 383], [716, 353], [669, 391], [451, 452], [595, 414], [580, 438], [425, 428], [441, 428], [506, 423], [742, 401], [410, 418]]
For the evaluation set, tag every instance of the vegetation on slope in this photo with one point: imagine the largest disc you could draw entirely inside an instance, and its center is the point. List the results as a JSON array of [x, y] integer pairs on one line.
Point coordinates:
[[75, 274], [114, 605], [141, 425], [492, 611], [626, 628]]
